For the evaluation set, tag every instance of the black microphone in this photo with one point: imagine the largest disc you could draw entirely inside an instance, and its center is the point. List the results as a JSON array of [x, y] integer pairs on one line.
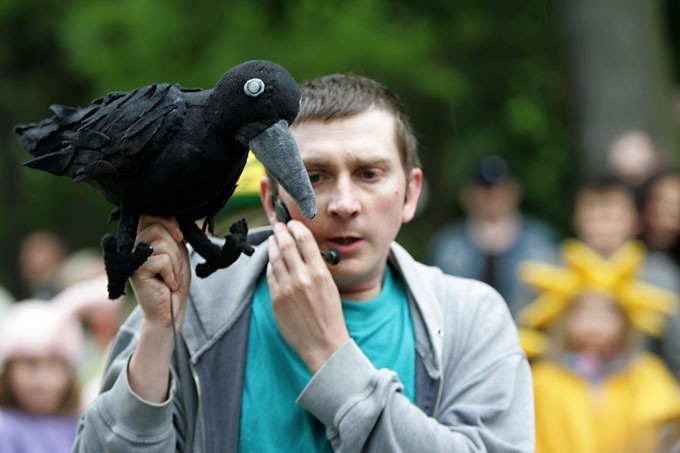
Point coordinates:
[[332, 256]]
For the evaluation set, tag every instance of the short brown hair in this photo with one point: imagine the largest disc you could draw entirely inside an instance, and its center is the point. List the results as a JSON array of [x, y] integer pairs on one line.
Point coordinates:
[[339, 96]]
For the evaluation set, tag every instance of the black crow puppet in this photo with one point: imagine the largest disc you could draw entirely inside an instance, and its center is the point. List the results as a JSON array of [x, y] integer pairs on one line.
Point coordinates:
[[168, 151]]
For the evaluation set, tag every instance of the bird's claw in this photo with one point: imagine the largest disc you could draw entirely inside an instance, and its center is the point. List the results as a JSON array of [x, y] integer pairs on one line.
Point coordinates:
[[119, 265], [234, 244]]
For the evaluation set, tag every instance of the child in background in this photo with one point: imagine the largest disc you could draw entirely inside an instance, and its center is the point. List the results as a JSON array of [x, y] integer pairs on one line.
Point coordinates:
[[39, 397], [596, 390], [661, 214], [605, 218], [100, 318]]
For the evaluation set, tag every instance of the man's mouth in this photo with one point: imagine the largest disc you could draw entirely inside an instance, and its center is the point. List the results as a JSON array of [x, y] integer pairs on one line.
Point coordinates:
[[344, 240]]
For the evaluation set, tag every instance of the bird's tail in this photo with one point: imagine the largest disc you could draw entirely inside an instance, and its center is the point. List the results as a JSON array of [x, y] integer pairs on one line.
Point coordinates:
[[56, 163], [45, 140], [38, 139], [46, 136]]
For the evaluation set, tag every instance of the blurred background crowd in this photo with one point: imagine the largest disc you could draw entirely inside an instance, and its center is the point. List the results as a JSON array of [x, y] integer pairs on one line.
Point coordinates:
[[539, 121]]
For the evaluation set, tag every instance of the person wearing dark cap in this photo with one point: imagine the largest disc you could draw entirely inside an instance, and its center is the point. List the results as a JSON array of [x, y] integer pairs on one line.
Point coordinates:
[[495, 235]]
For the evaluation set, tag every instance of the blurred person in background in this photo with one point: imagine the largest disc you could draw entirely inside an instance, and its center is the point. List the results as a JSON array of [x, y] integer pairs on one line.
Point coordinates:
[[100, 318], [661, 214], [605, 213], [605, 218], [83, 264], [634, 157], [40, 255], [495, 235], [596, 389], [39, 397]]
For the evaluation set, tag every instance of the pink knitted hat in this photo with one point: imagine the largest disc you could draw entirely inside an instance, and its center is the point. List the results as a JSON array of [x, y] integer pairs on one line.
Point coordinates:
[[86, 295], [35, 328]]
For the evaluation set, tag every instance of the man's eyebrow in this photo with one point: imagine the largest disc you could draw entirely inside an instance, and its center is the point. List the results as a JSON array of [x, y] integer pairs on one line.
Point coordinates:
[[314, 162], [377, 161], [374, 161]]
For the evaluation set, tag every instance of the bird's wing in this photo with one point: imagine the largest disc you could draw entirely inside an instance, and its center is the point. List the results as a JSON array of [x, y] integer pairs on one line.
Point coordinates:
[[114, 136]]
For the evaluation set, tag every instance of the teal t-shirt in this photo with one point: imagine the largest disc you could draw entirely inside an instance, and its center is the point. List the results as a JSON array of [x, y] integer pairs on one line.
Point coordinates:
[[275, 375]]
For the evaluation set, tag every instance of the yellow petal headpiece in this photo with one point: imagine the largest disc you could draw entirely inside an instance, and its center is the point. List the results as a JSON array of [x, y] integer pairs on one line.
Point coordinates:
[[533, 342], [645, 305], [247, 192], [249, 181]]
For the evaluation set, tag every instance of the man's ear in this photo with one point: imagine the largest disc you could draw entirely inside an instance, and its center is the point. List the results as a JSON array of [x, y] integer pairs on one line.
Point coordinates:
[[267, 199], [414, 188]]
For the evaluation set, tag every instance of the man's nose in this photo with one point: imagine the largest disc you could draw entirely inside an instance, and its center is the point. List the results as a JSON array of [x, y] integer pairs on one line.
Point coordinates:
[[344, 200]]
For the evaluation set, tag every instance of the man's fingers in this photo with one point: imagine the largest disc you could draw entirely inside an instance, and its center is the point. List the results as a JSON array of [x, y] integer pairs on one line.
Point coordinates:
[[306, 244], [277, 266], [172, 251], [296, 243], [160, 265], [169, 223], [168, 251]]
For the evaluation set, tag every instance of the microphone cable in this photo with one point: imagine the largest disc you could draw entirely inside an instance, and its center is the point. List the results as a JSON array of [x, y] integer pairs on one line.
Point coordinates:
[[188, 431]]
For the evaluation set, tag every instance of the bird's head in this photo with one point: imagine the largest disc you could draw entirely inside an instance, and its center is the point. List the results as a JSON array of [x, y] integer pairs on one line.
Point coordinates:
[[256, 101], [256, 91]]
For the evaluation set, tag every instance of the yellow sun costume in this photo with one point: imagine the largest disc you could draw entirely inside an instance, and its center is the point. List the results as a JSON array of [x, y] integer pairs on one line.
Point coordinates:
[[623, 411], [245, 201], [247, 192]]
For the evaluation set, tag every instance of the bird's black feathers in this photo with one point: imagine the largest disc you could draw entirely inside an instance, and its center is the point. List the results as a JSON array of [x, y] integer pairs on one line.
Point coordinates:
[[170, 151], [114, 136]]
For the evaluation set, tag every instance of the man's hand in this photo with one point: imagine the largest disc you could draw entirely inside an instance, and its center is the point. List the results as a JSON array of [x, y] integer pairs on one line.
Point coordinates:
[[164, 275], [305, 299]]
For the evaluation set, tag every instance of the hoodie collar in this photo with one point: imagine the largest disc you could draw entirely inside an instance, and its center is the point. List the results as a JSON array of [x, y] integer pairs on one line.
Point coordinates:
[[227, 293]]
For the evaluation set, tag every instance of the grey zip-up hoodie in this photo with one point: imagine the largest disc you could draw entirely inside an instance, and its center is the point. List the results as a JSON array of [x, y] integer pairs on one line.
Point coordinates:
[[473, 382]]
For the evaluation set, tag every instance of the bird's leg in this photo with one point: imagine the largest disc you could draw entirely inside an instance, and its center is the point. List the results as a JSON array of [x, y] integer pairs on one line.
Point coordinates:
[[216, 257], [209, 225], [119, 258]]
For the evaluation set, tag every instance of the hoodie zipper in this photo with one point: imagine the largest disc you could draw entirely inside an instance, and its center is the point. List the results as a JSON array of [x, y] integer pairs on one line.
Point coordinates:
[[197, 383], [438, 401]]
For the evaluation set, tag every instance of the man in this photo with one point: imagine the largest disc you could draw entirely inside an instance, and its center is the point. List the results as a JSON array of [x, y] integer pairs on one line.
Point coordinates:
[[283, 352], [495, 236]]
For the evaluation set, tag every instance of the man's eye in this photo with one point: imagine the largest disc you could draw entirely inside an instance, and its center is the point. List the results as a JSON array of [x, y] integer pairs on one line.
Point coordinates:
[[314, 177], [369, 174]]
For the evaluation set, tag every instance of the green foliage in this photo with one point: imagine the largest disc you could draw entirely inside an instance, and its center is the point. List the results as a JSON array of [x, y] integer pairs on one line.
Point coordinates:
[[477, 77], [129, 43]]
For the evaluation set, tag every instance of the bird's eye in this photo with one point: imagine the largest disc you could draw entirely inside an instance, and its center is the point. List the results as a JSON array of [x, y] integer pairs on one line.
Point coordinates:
[[254, 87]]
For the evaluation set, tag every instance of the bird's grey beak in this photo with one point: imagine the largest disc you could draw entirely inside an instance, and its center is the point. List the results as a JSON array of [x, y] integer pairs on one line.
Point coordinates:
[[278, 152]]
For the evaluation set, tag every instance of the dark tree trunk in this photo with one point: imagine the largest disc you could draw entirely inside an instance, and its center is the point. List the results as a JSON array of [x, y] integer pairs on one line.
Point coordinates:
[[619, 71]]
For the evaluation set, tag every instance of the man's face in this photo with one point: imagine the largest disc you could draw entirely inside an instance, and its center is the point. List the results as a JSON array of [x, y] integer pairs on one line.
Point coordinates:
[[361, 191]]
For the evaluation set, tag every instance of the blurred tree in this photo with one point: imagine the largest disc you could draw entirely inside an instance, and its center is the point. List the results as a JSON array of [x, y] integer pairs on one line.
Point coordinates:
[[512, 102], [620, 72], [670, 12], [35, 72]]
